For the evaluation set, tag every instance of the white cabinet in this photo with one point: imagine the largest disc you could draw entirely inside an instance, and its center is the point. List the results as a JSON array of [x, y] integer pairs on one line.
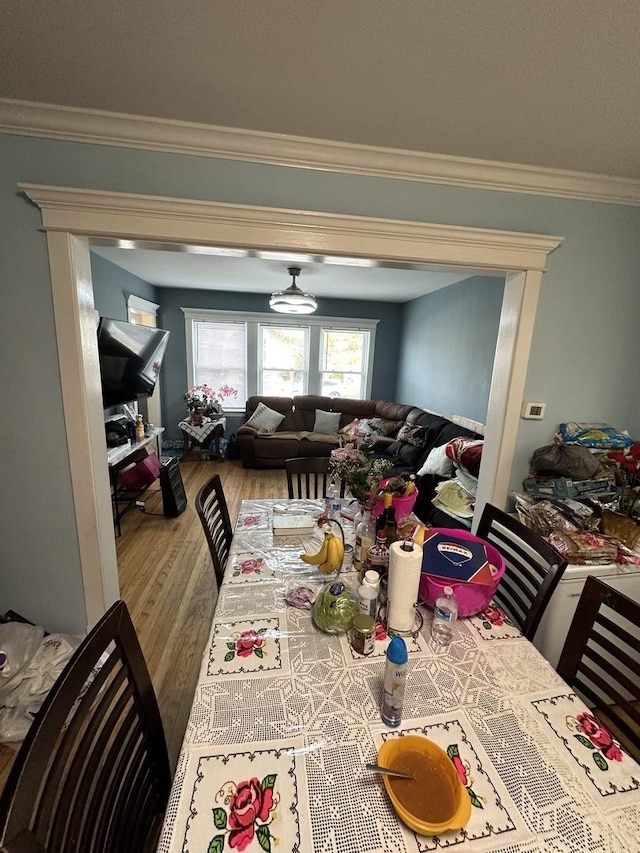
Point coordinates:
[[552, 631]]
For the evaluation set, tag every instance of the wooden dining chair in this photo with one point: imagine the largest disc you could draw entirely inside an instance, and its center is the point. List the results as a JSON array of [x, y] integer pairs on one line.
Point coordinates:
[[533, 568], [601, 659], [308, 477], [211, 506], [93, 772]]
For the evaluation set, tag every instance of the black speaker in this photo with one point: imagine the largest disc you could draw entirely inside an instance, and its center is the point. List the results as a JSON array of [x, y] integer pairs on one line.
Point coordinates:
[[174, 499]]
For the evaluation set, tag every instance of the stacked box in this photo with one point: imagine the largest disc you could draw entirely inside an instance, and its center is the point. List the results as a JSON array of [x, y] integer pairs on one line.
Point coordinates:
[[564, 487]]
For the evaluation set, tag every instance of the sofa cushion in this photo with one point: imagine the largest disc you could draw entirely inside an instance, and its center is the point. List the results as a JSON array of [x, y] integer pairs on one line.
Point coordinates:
[[351, 408], [406, 453], [384, 426], [265, 419], [326, 422], [413, 434]]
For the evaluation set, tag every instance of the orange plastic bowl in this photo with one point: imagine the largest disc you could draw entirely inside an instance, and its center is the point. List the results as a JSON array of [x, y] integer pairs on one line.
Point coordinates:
[[388, 754]]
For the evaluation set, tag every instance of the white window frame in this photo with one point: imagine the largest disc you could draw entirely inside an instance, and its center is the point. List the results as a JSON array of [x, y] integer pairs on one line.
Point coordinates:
[[260, 364], [254, 319]]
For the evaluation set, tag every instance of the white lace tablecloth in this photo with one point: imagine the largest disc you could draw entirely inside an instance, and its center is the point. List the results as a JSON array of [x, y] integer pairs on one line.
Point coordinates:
[[285, 717], [201, 432]]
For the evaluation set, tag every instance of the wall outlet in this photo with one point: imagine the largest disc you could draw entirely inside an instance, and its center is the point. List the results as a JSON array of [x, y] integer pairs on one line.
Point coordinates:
[[533, 411]]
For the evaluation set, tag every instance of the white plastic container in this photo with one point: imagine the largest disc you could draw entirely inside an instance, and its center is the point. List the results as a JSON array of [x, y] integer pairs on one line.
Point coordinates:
[[372, 578], [368, 599], [445, 614]]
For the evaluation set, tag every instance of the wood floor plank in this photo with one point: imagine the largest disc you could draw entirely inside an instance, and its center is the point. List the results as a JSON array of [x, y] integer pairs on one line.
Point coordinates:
[[167, 580]]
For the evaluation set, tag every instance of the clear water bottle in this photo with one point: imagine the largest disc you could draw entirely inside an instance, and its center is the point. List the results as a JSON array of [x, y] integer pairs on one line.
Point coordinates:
[[445, 614], [329, 499], [395, 675]]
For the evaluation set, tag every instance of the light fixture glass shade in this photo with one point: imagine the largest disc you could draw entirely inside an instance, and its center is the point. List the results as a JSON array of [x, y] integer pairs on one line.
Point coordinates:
[[293, 300]]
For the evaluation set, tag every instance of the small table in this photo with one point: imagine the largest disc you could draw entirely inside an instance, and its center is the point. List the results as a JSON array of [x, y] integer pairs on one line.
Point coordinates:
[[195, 435], [117, 458]]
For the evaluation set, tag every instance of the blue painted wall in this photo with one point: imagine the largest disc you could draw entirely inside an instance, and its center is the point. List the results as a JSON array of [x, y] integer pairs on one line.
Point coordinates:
[[112, 286], [583, 359], [448, 346]]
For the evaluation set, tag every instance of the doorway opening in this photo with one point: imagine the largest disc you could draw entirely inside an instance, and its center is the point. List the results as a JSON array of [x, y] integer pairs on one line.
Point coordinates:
[[71, 217]]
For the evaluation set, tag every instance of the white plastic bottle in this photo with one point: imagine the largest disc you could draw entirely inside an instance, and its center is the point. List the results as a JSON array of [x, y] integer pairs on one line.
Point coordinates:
[[395, 674], [445, 614]]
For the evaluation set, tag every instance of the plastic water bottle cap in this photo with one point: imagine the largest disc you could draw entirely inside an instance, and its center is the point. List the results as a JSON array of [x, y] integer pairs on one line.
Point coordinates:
[[397, 651]]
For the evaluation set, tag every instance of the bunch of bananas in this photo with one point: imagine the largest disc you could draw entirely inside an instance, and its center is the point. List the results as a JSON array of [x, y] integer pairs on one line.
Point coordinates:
[[329, 557]]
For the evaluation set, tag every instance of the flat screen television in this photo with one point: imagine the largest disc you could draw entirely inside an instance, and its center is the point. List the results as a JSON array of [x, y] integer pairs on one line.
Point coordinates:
[[130, 360]]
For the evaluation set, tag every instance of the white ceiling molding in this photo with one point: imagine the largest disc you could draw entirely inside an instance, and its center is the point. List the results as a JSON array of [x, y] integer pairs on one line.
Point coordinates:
[[100, 127], [99, 213]]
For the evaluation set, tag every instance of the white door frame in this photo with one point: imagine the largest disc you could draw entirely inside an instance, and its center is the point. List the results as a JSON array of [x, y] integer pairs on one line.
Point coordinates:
[[72, 216]]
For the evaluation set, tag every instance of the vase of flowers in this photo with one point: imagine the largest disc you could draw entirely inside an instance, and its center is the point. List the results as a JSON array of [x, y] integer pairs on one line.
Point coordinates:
[[361, 470], [202, 401]]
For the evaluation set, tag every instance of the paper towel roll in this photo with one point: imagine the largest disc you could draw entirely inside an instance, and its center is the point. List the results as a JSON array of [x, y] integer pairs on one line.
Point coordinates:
[[404, 580]]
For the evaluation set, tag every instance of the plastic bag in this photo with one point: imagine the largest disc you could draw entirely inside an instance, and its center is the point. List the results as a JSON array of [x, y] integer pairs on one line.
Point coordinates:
[[23, 693], [599, 436], [18, 644], [563, 460]]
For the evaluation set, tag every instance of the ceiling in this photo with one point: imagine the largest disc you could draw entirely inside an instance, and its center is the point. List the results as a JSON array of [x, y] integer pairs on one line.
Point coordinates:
[[337, 278], [535, 82]]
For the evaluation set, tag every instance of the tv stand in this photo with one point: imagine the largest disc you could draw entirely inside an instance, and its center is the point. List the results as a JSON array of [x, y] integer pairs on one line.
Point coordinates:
[[118, 458]]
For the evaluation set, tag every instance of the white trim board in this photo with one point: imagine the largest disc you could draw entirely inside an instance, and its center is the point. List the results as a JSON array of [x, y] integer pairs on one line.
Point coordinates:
[[70, 216], [100, 127]]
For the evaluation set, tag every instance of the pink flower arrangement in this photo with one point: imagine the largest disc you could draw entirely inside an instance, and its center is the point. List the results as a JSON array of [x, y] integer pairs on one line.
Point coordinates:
[[205, 398]]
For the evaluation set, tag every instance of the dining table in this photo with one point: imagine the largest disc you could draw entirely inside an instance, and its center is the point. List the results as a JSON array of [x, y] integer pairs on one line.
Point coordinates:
[[285, 717]]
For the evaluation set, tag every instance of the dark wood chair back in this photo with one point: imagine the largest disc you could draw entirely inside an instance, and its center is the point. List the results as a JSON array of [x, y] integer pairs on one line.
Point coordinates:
[[533, 567], [92, 773], [211, 506], [601, 659], [308, 477]]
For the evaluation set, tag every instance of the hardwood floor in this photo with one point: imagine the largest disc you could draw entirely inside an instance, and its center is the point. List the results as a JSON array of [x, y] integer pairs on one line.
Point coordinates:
[[167, 581]]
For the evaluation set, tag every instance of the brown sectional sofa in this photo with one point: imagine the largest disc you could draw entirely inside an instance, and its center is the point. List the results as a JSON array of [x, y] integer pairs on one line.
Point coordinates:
[[295, 437]]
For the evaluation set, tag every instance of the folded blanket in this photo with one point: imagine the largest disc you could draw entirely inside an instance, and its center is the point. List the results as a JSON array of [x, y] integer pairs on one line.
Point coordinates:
[[329, 438]]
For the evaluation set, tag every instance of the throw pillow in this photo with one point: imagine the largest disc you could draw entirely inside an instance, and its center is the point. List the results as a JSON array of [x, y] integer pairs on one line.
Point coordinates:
[[265, 419], [327, 422], [467, 453], [384, 427], [415, 435], [438, 463], [350, 428]]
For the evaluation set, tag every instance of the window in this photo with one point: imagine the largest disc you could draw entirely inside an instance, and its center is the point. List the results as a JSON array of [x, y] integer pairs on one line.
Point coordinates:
[[219, 358], [343, 362], [257, 354], [284, 360]]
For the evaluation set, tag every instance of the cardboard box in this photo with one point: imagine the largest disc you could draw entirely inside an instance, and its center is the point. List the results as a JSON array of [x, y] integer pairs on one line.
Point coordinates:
[[564, 487]]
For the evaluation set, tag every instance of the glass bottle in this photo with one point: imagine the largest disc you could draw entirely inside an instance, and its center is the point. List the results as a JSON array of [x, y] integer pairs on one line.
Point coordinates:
[[365, 538], [445, 614], [378, 555], [139, 428], [395, 674], [391, 527]]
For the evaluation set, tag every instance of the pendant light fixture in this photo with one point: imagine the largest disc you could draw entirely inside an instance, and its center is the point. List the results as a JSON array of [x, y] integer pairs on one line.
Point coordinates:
[[293, 300]]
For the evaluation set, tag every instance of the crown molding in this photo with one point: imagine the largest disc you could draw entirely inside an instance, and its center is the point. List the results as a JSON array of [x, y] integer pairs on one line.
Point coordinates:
[[99, 127], [103, 213]]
